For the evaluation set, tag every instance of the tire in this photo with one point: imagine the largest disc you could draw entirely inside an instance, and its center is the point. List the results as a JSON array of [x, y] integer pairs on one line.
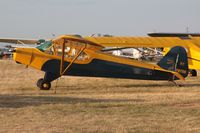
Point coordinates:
[[193, 73], [39, 82], [43, 85], [18, 62]]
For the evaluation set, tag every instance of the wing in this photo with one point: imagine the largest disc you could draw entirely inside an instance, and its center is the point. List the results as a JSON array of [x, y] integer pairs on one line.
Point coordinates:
[[140, 41], [18, 41]]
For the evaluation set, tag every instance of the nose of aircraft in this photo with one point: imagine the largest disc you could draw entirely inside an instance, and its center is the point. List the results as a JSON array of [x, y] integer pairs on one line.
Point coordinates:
[[22, 55]]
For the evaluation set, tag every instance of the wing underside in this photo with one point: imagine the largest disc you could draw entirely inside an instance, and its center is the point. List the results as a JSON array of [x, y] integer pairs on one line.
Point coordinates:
[[140, 41], [18, 41]]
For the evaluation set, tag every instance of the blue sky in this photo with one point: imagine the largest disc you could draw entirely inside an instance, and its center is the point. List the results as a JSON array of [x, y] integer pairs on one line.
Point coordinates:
[[42, 18]]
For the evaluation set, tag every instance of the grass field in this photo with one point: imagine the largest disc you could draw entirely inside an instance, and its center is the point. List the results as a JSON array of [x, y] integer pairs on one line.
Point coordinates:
[[95, 104]]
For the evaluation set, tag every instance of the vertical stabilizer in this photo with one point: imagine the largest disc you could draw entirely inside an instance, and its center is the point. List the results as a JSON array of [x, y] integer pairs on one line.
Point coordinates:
[[176, 60]]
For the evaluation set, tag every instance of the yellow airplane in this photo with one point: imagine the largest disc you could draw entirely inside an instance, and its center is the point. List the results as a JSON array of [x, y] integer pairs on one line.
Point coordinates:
[[77, 56]]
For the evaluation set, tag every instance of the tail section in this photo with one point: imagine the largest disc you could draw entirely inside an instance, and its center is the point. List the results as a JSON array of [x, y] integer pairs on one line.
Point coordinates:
[[175, 60]]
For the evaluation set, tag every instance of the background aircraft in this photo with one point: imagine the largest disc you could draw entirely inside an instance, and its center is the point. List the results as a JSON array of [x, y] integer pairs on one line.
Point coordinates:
[[5, 52], [194, 63]]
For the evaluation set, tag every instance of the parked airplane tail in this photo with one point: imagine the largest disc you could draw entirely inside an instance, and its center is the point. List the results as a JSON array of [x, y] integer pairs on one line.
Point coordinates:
[[176, 60]]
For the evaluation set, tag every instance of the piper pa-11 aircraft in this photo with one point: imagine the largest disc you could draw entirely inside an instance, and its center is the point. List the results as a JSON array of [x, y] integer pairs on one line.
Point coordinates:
[[77, 56]]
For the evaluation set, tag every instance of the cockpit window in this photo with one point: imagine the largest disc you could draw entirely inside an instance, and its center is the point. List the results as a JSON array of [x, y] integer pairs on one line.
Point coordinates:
[[71, 49], [44, 46]]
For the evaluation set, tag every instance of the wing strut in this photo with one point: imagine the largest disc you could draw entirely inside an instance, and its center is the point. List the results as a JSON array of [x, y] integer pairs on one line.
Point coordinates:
[[62, 57]]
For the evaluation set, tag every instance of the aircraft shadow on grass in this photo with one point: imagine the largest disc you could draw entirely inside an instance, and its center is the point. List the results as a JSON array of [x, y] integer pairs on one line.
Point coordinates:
[[160, 85], [163, 85], [19, 101]]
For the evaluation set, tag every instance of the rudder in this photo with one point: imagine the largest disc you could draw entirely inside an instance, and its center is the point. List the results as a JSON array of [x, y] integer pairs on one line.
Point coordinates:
[[175, 60]]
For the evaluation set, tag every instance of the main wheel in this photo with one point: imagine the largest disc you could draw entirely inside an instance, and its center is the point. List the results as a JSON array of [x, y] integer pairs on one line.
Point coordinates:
[[43, 85], [193, 73], [39, 82]]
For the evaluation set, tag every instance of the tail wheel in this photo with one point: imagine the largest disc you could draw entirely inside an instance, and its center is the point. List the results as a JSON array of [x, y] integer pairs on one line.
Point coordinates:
[[43, 85]]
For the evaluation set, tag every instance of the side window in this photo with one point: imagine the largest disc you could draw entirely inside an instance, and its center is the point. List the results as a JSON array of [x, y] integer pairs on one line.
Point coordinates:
[[50, 51], [83, 56], [72, 49], [58, 49]]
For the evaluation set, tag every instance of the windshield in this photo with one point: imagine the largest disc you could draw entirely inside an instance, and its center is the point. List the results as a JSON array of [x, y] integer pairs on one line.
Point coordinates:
[[44, 46]]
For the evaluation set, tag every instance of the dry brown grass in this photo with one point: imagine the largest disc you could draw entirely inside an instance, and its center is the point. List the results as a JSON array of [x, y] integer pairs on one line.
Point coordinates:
[[96, 105]]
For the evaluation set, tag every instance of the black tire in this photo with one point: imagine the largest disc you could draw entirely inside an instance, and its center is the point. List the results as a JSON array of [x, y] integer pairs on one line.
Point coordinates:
[[39, 82], [18, 62], [193, 73], [43, 85]]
